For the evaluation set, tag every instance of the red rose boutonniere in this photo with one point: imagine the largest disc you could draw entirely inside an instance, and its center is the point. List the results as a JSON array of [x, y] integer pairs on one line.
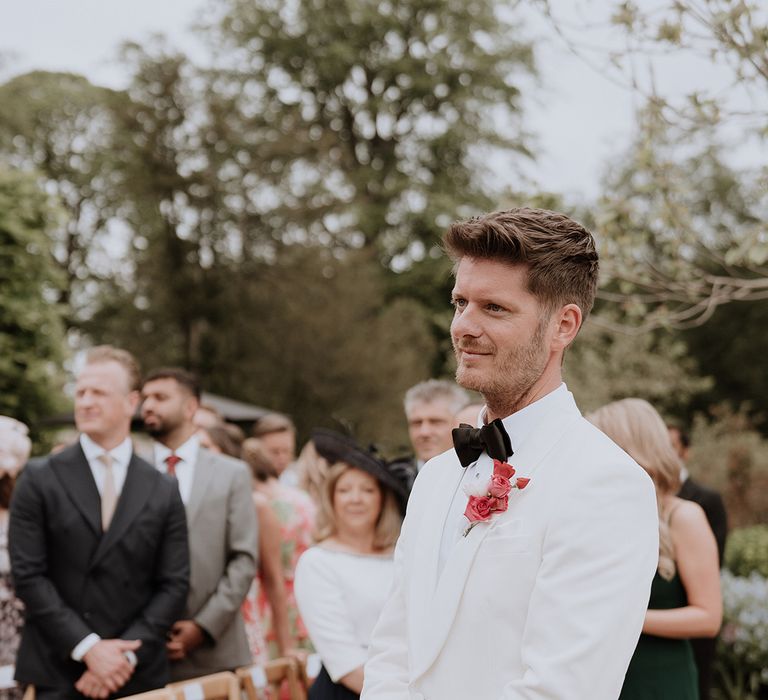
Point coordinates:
[[494, 496]]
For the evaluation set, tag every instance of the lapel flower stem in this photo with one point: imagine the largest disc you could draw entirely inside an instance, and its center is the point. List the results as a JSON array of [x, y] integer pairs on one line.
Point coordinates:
[[470, 526]]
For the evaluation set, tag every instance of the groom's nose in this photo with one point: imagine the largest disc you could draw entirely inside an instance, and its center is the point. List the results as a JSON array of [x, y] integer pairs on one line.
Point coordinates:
[[466, 324]]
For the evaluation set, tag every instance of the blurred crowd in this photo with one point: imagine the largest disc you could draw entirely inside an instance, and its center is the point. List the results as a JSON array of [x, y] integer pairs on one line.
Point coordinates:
[[127, 562]]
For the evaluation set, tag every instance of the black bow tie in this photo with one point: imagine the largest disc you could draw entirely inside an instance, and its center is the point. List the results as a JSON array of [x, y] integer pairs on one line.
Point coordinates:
[[471, 442]]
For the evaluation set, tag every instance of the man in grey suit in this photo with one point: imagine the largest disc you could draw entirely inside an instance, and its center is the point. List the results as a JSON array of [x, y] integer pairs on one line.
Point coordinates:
[[221, 518]]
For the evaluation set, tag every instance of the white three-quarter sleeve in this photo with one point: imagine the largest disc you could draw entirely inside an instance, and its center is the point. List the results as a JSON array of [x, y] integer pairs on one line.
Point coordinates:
[[320, 597]]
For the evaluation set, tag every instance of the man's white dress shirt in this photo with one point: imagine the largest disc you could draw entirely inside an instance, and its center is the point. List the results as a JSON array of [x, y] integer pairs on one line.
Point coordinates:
[[185, 468]]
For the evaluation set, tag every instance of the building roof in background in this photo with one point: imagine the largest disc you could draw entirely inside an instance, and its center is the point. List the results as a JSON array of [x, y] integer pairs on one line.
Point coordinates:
[[232, 410]]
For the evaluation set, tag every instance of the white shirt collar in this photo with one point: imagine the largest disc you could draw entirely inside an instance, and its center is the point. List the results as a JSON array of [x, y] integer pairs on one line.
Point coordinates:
[[520, 424], [120, 454], [188, 452]]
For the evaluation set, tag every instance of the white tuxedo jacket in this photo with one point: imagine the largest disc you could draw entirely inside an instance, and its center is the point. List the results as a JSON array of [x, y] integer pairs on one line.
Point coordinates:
[[543, 602]]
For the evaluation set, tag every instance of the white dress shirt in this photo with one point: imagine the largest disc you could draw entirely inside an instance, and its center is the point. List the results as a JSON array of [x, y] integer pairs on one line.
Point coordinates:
[[121, 457], [185, 469], [518, 426]]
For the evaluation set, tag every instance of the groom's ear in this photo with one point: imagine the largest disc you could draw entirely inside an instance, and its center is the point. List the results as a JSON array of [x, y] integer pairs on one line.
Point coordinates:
[[565, 324]]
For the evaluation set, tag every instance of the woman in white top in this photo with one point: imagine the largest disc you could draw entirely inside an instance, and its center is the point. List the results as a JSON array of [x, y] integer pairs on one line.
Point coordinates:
[[342, 582]]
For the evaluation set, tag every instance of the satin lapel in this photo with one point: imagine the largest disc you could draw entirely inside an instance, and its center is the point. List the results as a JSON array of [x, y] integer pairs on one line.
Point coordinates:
[[137, 489], [427, 548], [441, 608], [204, 471], [71, 468]]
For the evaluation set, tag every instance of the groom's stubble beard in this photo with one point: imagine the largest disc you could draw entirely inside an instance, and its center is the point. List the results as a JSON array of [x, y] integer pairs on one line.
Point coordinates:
[[506, 385]]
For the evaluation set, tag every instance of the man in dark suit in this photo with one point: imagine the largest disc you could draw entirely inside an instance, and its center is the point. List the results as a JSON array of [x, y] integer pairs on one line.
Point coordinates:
[[221, 517], [703, 649], [99, 553]]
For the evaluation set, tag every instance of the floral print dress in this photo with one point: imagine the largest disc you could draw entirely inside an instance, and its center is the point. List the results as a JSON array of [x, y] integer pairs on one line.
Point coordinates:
[[11, 613], [295, 511]]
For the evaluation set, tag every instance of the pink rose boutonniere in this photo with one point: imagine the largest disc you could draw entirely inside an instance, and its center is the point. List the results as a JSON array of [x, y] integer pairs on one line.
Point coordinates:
[[494, 496]]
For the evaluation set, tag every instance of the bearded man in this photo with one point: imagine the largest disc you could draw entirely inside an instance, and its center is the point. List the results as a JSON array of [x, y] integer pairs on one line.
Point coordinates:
[[524, 565], [216, 491]]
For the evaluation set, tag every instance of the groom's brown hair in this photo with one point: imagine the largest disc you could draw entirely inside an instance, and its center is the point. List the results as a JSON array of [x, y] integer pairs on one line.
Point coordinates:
[[559, 253]]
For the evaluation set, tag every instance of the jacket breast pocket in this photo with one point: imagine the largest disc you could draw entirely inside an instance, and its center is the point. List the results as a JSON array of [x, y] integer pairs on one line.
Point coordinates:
[[513, 559], [501, 545], [503, 552]]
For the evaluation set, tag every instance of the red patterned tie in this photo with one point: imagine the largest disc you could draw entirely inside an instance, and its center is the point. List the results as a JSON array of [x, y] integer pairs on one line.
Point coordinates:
[[172, 461]]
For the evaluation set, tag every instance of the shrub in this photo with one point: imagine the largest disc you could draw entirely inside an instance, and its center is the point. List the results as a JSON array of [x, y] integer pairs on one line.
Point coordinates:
[[742, 663], [747, 551]]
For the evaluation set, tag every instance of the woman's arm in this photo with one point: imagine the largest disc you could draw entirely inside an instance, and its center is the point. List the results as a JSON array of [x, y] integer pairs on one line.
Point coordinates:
[[697, 564], [325, 612], [271, 570]]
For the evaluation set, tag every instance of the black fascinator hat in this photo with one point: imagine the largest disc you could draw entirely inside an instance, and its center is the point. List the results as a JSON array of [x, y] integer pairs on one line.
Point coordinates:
[[336, 447]]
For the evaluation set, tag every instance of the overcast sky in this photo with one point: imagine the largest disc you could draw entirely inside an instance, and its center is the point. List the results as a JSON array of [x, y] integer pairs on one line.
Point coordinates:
[[580, 117]]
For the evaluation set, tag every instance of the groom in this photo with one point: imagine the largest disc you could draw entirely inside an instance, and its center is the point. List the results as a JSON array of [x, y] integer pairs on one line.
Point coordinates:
[[538, 592]]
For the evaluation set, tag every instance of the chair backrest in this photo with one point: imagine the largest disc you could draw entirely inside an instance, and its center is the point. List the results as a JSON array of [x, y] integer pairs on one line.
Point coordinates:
[[265, 682], [309, 668], [159, 694], [217, 686]]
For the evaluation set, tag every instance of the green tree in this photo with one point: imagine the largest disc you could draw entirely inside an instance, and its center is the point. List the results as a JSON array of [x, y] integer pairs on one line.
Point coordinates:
[[605, 365], [309, 333], [682, 232], [32, 342], [368, 122], [61, 127], [683, 218], [179, 244]]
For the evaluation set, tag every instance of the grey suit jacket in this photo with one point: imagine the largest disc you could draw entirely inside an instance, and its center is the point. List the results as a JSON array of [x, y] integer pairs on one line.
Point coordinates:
[[223, 555]]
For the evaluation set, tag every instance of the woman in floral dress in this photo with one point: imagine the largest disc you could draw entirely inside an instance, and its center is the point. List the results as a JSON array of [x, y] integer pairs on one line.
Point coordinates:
[[14, 452], [294, 511]]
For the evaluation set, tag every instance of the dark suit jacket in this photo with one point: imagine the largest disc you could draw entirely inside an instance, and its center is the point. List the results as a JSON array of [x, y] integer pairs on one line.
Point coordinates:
[[714, 509], [130, 582], [704, 649]]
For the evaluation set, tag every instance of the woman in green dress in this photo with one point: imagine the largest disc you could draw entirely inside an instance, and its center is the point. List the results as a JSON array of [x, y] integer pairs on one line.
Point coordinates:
[[685, 596]]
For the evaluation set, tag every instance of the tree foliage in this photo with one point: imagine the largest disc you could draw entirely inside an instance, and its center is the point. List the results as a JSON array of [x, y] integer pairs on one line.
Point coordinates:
[[309, 334], [682, 232], [324, 170], [684, 211], [366, 122], [31, 327], [604, 366], [60, 127]]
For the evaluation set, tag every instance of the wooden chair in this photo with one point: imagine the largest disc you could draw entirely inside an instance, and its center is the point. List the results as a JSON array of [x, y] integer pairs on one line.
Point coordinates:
[[309, 668], [159, 694], [265, 682], [217, 686]]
